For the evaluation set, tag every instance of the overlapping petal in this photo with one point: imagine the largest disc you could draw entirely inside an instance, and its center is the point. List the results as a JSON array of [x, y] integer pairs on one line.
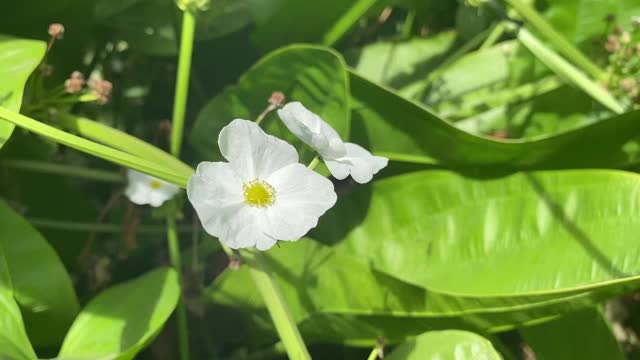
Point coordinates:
[[253, 153]]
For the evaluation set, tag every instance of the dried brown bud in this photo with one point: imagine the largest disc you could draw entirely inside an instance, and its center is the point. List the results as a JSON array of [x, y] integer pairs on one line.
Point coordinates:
[[75, 83], [499, 134], [627, 84], [101, 89], [618, 29], [635, 22], [612, 44], [56, 30], [277, 98]]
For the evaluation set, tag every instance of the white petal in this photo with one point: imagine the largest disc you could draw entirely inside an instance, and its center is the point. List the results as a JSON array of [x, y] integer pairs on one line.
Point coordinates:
[[140, 192], [338, 169], [216, 193], [359, 163], [245, 229], [302, 196], [252, 153], [312, 130]]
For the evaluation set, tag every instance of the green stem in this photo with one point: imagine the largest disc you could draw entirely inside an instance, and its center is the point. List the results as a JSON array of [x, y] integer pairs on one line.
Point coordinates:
[[122, 141], [182, 81], [374, 353], [65, 170], [174, 254], [98, 227], [282, 318], [567, 71], [312, 165], [340, 28], [533, 18], [407, 27], [179, 110], [101, 151], [494, 36]]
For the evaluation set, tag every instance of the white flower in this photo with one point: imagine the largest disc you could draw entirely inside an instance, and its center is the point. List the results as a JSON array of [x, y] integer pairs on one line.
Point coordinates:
[[147, 190], [262, 194], [342, 159]]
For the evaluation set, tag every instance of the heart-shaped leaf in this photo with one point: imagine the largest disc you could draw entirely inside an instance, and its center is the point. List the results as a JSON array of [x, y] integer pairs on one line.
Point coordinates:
[[122, 320], [18, 59], [41, 285], [315, 76], [446, 345]]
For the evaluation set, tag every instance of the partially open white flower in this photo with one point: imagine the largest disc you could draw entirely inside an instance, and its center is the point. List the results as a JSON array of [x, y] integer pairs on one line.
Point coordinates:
[[342, 159], [262, 194], [144, 189]]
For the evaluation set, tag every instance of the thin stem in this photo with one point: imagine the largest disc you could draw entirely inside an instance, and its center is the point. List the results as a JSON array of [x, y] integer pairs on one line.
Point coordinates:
[[533, 18], [98, 227], [495, 35], [374, 353], [282, 318], [312, 165], [182, 81], [567, 71], [340, 28], [407, 27], [101, 151], [177, 128], [174, 255], [65, 170]]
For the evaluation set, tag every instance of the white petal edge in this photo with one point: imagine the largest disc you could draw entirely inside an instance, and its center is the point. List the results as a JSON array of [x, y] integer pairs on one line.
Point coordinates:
[[302, 196], [215, 192], [252, 153], [312, 130], [359, 163]]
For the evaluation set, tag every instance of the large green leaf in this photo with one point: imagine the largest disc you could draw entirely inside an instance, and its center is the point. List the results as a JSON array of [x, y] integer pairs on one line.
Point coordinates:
[[581, 335], [18, 59], [14, 343], [122, 320], [282, 22], [338, 298], [405, 131], [548, 232], [400, 63], [315, 76], [446, 345], [41, 285]]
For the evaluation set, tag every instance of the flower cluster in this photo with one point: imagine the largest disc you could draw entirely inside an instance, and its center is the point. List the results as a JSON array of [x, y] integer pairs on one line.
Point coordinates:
[[262, 194]]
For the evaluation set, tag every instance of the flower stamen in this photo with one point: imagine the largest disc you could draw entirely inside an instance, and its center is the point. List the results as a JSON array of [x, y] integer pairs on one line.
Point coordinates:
[[155, 184], [258, 193]]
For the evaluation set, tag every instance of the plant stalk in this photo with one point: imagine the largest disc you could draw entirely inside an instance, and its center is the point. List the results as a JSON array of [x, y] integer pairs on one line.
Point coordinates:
[[95, 149], [65, 170], [342, 26], [282, 318]]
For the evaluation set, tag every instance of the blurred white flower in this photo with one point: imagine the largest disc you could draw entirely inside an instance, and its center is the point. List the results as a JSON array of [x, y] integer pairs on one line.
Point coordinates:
[[342, 159], [143, 189], [262, 194]]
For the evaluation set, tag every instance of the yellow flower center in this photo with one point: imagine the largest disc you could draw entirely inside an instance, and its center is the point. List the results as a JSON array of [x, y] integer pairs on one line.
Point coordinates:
[[258, 193], [155, 184]]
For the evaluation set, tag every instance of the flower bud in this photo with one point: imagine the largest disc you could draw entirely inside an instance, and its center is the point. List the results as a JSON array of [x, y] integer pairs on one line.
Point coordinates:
[[56, 30]]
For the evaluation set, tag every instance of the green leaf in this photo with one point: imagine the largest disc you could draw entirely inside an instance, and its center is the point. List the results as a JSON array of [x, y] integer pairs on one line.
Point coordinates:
[[538, 233], [315, 76], [402, 130], [400, 63], [328, 310], [18, 59], [14, 343], [580, 335], [122, 320], [282, 23], [41, 285], [446, 345]]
